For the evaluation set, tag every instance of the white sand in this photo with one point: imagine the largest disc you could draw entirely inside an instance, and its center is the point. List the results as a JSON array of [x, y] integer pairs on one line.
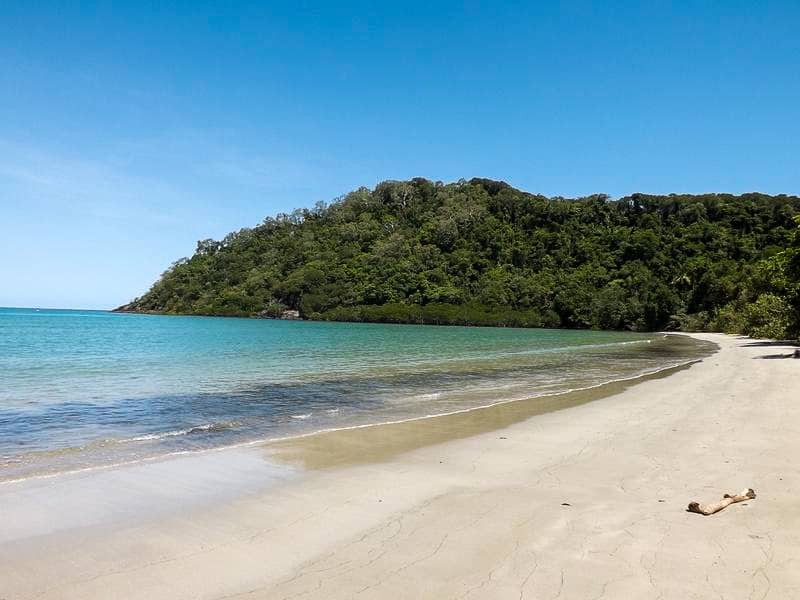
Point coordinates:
[[482, 517]]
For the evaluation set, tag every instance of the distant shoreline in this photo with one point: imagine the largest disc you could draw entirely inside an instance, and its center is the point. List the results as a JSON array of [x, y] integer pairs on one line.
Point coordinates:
[[122, 311]]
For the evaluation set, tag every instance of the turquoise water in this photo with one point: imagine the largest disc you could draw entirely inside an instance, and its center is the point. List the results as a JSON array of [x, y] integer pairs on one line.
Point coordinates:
[[86, 388]]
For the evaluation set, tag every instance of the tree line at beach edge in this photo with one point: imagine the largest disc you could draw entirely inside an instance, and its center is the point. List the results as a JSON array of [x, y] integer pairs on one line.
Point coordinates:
[[480, 252]]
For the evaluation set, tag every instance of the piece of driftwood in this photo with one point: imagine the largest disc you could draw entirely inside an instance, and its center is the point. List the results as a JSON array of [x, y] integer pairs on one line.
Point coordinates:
[[727, 500]]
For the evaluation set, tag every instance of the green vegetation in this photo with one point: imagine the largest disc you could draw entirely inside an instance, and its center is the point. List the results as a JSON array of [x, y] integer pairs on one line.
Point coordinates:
[[480, 252], [768, 305]]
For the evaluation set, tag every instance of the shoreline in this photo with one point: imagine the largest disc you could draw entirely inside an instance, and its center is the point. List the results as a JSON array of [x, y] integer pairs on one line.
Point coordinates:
[[281, 446], [316, 450], [580, 502]]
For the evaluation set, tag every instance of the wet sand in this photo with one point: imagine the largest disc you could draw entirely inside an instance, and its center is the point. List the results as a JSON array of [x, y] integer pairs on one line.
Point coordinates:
[[361, 445], [584, 502]]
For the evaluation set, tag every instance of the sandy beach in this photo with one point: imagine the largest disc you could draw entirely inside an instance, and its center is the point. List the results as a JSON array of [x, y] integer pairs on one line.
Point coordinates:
[[587, 501]]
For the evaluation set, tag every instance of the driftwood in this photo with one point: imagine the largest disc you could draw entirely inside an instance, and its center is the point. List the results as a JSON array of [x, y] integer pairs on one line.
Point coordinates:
[[727, 500]]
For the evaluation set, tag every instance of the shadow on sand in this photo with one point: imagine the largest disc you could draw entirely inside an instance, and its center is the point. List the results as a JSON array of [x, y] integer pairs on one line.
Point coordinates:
[[792, 346], [764, 343]]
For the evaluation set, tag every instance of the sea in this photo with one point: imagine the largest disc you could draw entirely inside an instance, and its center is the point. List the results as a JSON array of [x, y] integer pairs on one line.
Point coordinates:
[[83, 389]]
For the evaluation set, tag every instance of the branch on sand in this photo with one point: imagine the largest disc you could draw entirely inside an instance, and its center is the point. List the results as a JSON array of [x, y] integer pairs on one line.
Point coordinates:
[[727, 500]]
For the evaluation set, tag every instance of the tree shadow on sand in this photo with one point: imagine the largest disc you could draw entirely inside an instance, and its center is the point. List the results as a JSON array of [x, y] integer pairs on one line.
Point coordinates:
[[792, 346]]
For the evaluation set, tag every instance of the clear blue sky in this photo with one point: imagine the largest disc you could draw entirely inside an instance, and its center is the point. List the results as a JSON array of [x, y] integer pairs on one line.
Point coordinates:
[[129, 130]]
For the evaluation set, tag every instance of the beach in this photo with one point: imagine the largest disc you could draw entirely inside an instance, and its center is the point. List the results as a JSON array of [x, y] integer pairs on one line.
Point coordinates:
[[586, 501]]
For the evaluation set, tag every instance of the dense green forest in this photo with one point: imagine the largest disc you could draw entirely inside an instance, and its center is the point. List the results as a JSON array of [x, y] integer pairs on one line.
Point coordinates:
[[480, 252]]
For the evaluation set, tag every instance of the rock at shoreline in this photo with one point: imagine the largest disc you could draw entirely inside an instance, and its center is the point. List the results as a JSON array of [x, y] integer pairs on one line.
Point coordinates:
[[287, 315]]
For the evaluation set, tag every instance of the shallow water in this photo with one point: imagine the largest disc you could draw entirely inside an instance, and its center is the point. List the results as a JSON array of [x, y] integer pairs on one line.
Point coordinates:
[[80, 389]]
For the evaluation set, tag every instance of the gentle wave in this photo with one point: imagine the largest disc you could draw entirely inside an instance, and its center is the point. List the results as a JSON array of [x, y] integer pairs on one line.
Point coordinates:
[[208, 428], [110, 442], [268, 440], [421, 397]]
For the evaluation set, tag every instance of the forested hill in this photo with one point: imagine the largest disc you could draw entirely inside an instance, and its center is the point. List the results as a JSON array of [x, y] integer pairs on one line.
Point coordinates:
[[482, 252]]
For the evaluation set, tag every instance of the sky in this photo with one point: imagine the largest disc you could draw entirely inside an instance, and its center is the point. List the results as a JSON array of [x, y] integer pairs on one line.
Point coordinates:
[[130, 130]]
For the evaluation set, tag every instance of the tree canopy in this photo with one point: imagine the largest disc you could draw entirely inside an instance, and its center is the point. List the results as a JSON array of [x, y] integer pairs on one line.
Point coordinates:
[[482, 252]]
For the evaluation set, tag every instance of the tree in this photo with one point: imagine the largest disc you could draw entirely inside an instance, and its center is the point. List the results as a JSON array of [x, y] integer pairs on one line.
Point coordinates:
[[792, 258], [482, 252]]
